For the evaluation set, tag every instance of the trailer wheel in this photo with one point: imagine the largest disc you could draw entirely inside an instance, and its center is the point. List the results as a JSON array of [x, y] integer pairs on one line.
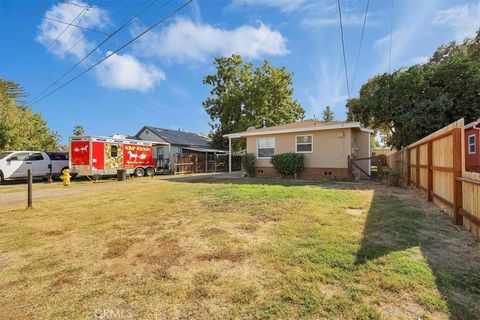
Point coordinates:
[[150, 171], [139, 172]]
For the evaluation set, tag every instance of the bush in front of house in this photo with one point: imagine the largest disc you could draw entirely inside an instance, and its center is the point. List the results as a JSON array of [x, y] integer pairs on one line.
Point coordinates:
[[288, 164], [248, 161]]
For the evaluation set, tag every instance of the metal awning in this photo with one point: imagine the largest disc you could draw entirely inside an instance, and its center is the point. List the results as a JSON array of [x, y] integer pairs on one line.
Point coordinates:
[[205, 150]]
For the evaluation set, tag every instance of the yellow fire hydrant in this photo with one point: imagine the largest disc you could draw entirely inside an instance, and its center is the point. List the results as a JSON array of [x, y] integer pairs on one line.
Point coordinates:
[[65, 177]]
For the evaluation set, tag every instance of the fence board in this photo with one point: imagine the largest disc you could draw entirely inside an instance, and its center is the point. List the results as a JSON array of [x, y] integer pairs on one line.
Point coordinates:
[[436, 166]]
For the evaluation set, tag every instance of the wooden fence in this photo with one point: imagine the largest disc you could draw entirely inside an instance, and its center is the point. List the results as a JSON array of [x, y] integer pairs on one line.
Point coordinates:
[[435, 165], [201, 163]]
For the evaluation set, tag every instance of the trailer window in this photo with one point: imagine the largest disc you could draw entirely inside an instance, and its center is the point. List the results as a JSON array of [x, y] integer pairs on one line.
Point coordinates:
[[113, 151]]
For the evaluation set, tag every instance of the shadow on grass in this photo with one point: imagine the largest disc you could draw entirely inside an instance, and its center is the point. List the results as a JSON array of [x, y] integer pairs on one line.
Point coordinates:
[[392, 228]]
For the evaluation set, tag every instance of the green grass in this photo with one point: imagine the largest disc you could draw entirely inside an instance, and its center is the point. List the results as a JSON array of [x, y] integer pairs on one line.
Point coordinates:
[[219, 250]]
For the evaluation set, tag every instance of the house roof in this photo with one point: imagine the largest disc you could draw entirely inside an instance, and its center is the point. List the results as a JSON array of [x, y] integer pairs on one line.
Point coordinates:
[[472, 124], [299, 126], [178, 137]]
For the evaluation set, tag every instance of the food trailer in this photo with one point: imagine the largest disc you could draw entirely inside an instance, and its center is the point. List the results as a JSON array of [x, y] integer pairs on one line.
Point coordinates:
[[91, 155]]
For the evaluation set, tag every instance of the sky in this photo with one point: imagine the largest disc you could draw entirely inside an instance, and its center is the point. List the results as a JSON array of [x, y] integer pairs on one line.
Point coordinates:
[[157, 80]]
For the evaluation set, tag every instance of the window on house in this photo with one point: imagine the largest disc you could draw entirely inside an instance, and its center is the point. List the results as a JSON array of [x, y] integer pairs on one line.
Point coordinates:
[[265, 147], [472, 144], [113, 151], [304, 144]]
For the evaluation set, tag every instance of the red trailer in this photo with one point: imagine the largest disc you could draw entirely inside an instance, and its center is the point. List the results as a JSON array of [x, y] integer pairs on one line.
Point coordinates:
[[91, 155]]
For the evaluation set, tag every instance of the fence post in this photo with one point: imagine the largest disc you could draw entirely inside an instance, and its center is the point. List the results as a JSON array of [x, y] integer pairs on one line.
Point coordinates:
[[457, 172], [417, 166], [29, 188], [430, 171], [407, 164], [349, 168]]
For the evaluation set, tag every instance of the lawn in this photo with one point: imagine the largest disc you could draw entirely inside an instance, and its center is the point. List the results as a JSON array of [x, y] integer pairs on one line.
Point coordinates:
[[236, 250]]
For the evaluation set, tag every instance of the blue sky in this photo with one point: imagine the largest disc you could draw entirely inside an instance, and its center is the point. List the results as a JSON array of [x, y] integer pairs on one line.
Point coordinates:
[[158, 80]]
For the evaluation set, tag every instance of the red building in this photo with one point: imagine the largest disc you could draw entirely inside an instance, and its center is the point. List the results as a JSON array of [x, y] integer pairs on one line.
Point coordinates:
[[472, 146]]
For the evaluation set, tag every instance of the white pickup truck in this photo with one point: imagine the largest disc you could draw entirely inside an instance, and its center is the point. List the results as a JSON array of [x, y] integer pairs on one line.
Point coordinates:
[[14, 164]]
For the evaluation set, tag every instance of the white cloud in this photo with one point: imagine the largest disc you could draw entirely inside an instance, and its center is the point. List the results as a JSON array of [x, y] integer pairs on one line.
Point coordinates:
[[126, 72], [409, 33], [72, 41], [348, 19], [283, 5], [184, 41], [463, 19], [328, 89]]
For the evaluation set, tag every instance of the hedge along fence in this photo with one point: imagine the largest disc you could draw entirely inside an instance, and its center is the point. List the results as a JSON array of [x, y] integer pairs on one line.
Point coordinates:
[[436, 167]]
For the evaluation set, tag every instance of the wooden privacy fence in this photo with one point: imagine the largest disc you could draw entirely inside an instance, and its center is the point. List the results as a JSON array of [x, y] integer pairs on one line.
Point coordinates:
[[435, 165], [201, 163]]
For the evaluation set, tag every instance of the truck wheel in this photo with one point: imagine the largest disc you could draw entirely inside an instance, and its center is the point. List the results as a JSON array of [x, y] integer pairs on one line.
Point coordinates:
[[2, 179], [150, 171], [139, 172]]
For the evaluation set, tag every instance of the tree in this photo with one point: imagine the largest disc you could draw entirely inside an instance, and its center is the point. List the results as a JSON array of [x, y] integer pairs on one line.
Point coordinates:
[[411, 103], [20, 127], [243, 96], [327, 114], [78, 130]]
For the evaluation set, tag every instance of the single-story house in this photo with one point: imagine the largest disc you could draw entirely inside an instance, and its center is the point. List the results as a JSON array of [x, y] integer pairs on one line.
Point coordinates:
[[327, 146], [176, 142], [472, 146]]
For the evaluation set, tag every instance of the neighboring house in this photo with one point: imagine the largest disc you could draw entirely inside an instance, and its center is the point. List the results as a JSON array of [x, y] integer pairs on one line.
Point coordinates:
[[472, 146], [178, 142], [326, 146]]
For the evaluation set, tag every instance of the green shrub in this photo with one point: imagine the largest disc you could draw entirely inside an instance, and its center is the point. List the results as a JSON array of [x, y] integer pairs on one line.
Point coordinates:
[[288, 164], [248, 162]]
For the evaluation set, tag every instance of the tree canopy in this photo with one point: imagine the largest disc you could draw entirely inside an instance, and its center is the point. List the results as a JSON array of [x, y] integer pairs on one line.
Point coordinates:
[[20, 127], [243, 96], [411, 103], [78, 130], [327, 114]]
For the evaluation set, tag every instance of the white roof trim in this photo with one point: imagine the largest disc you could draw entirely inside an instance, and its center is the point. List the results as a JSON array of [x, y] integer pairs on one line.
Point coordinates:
[[290, 130], [472, 124]]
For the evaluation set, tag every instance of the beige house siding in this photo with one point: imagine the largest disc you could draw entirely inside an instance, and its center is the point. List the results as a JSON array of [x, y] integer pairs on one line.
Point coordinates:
[[330, 147]]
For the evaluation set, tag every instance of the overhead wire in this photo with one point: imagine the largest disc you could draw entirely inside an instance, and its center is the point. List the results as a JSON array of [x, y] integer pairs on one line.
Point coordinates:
[[117, 50], [343, 48], [360, 45], [59, 21], [151, 3]]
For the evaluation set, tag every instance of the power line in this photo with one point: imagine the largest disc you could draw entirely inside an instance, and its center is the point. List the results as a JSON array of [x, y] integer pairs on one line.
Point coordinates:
[[59, 21], [114, 52], [361, 42], [71, 36], [391, 38], [343, 48], [73, 4], [98, 46], [70, 24]]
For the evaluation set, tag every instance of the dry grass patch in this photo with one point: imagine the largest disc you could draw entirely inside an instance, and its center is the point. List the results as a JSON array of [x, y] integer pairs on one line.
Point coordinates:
[[234, 251]]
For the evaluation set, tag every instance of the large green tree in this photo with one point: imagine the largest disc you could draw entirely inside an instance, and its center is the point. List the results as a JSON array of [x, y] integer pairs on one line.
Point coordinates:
[[411, 103], [20, 127], [243, 96]]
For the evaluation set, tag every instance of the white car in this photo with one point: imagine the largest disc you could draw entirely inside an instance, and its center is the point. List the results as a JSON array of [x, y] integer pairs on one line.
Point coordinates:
[[14, 164]]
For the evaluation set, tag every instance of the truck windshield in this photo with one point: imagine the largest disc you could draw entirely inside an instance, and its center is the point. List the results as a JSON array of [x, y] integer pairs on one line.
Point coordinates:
[[4, 154]]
